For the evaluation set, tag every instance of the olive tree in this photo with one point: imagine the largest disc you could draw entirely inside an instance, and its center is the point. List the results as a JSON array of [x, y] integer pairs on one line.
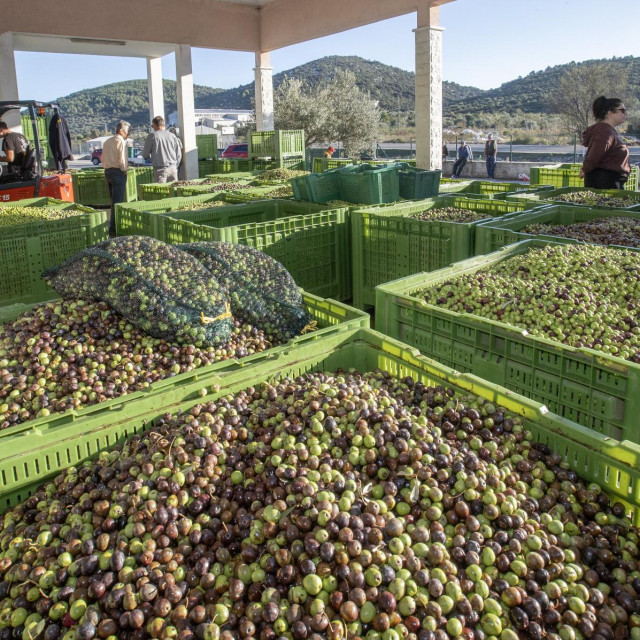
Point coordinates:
[[336, 110], [580, 86]]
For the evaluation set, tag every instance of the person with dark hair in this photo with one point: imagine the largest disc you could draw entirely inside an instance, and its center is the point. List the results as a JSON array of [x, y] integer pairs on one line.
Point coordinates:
[[165, 150], [445, 151], [491, 155], [606, 162], [14, 145], [464, 154]]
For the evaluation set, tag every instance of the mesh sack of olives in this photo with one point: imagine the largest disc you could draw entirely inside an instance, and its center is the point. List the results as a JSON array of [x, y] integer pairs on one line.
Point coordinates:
[[163, 291], [261, 291]]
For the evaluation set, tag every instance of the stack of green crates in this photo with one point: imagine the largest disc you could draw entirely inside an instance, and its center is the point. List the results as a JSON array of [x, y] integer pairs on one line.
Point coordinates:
[[568, 175], [281, 149], [26, 250], [387, 243], [90, 187]]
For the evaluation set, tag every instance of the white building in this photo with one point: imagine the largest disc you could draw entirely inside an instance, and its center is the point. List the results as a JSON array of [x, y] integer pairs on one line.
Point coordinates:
[[219, 117]]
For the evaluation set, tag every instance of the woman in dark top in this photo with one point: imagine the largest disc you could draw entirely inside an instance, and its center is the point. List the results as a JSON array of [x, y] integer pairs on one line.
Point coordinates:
[[606, 162]]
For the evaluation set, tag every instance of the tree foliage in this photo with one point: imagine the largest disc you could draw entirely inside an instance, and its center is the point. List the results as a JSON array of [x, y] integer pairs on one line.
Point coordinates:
[[581, 85], [336, 110]]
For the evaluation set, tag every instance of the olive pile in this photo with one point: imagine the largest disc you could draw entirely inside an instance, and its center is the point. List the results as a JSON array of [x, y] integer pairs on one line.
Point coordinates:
[[72, 354], [619, 231], [281, 174], [197, 206], [217, 185], [158, 288], [594, 199], [272, 302], [323, 507], [584, 296], [11, 216], [450, 214]]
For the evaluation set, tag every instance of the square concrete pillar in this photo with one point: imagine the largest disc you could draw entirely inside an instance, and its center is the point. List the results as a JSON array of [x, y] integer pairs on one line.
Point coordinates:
[[9, 79], [264, 92], [154, 81], [186, 110], [429, 97]]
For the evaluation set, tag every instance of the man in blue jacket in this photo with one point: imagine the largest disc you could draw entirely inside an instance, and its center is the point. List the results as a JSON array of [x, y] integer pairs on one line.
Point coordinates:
[[464, 154]]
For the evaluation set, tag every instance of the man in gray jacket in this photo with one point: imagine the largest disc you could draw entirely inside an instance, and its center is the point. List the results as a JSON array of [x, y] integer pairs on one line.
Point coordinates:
[[165, 151]]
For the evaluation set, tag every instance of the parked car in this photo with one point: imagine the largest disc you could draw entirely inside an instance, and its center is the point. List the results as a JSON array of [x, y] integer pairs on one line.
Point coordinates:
[[96, 156], [239, 150], [139, 161]]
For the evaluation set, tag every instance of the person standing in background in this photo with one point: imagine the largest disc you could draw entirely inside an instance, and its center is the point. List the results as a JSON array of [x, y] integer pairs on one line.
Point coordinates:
[[116, 165], [329, 152], [490, 153], [165, 150], [464, 154], [606, 162], [445, 151]]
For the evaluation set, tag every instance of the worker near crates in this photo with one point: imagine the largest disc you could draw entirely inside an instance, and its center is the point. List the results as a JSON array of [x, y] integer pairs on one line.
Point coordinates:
[[165, 150], [14, 145], [116, 164]]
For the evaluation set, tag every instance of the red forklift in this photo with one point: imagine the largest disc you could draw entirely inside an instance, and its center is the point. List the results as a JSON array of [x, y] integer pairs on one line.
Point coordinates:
[[32, 183]]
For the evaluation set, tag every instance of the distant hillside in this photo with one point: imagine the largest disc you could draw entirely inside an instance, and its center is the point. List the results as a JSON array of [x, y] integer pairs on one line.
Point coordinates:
[[531, 93], [102, 106], [394, 89]]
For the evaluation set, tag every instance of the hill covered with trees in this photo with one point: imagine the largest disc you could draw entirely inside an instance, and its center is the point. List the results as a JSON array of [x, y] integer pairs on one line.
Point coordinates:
[[521, 102]]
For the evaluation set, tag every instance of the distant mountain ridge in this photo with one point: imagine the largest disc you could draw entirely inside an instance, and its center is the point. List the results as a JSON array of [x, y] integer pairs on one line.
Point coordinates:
[[394, 89]]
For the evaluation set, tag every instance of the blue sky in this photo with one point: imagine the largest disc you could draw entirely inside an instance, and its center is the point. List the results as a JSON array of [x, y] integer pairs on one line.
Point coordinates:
[[486, 43]]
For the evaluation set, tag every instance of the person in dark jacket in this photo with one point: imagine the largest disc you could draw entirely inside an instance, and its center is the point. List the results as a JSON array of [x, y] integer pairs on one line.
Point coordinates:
[[60, 142], [606, 162], [490, 154], [464, 154]]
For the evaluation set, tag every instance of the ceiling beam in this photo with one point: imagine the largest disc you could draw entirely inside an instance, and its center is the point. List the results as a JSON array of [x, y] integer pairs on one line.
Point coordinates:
[[288, 22], [210, 24]]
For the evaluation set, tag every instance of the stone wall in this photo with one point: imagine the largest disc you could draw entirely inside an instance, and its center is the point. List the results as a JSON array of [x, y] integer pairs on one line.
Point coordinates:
[[477, 169]]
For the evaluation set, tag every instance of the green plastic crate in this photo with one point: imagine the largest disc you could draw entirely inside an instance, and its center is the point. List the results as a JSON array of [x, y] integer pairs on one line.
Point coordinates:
[[595, 390], [313, 244], [233, 165], [545, 197], [155, 191], [139, 218], [205, 167], [387, 244], [596, 458], [38, 449], [495, 234], [416, 184], [276, 144], [90, 187], [568, 175], [367, 185], [326, 164], [27, 250], [207, 146], [481, 187], [317, 187], [144, 175]]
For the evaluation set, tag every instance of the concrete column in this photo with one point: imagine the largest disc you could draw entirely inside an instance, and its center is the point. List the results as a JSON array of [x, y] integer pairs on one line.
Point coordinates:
[[264, 92], [186, 110], [428, 37], [9, 79], [154, 81]]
